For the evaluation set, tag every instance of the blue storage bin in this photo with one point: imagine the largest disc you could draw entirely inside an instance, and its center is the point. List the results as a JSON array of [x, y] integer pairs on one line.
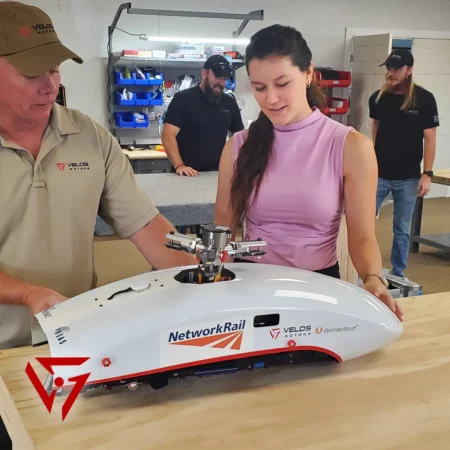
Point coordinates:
[[121, 81], [155, 81], [158, 100], [138, 80], [121, 102], [142, 98], [124, 119], [141, 124]]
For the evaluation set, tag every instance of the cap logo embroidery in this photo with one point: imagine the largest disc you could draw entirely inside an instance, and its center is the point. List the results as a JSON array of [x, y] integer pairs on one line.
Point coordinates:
[[25, 31], [43, 28]]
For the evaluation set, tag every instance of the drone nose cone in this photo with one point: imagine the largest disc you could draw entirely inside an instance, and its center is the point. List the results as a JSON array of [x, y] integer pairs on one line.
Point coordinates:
[[396, 328]]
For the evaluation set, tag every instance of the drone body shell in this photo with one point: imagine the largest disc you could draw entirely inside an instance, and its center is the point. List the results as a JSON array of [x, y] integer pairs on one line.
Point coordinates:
[[154, 324]]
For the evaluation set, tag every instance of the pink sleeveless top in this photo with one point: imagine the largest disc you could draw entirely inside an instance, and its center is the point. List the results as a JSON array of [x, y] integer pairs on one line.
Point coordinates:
[[299, 207]]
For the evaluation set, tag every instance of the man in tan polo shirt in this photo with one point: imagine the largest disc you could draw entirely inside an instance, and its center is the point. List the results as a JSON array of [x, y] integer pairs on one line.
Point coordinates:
[[58, 169]]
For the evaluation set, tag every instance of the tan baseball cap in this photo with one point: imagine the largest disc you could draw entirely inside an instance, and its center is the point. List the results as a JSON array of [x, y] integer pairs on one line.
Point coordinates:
[[28, 40]]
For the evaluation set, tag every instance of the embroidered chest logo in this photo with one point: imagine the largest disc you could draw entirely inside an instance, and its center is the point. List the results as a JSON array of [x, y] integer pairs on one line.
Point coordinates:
[[84, 165]]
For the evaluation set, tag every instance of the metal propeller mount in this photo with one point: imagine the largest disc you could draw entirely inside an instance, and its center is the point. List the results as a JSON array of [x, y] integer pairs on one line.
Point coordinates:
[[213, 247]]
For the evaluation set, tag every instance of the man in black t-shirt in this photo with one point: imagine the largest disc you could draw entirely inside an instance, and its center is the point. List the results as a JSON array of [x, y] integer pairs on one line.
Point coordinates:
[[198, 120], [404, 116]]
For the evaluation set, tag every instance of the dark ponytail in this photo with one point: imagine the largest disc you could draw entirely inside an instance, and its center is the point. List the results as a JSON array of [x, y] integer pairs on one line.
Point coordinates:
[[256, 152]]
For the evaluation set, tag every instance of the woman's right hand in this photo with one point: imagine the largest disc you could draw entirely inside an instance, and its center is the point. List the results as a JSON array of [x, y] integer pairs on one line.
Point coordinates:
[[185, 170]]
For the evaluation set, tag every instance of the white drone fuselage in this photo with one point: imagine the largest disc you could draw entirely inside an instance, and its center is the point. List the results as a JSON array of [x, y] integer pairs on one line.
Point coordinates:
[[164, 325]]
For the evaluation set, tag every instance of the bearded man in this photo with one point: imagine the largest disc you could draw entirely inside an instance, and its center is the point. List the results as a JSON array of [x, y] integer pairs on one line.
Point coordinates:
[[199, 120]]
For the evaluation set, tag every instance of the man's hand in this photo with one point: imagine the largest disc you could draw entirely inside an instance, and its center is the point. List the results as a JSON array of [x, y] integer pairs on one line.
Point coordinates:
[[38, 298], [424, 185], [185, 170]]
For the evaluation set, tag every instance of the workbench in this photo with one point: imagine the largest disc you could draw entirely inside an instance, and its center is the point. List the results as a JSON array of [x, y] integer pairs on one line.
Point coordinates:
[[396, 398], [184, 201], [148, 161], [440, 241]]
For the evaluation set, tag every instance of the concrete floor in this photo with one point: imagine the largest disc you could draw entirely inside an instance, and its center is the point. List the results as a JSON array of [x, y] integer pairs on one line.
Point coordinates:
[[430, 267]]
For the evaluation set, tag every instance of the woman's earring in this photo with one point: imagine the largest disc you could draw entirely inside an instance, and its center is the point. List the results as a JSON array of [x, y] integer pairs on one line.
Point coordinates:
[[309, 84]]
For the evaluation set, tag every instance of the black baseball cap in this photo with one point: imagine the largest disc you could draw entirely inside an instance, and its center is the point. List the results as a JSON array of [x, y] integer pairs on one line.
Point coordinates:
[[220, 66], [399, 58]]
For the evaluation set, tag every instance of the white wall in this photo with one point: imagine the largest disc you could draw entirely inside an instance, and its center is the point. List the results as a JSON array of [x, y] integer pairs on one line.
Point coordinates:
[[82, 25]]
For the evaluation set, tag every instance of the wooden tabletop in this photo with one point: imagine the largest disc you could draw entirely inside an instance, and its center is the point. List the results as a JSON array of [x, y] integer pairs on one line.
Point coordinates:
[[441, 176], [397, 398], [145, 154]]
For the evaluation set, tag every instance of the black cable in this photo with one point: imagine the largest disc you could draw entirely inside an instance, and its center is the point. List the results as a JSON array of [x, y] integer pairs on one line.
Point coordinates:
[[241, 100], [131, 34]]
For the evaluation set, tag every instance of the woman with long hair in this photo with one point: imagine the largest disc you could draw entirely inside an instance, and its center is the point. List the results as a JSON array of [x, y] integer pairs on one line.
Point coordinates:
[[286, 178]]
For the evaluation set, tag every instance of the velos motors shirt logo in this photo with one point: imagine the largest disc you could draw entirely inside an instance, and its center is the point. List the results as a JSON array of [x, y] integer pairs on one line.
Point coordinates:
[[84, 165], [227, 335]]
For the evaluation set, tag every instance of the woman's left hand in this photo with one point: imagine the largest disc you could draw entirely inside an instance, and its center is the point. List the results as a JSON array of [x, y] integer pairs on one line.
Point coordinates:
[[379, 290]]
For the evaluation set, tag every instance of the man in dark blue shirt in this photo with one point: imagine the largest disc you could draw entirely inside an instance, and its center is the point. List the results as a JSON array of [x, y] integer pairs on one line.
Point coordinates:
[[199, 119]]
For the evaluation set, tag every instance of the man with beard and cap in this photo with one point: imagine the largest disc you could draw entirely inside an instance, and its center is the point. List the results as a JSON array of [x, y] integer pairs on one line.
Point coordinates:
[[198, 120], [405, 117]]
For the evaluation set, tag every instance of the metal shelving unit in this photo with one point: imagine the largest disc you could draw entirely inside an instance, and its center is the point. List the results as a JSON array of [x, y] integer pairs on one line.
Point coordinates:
[[343, 80], [167, 66], [158, 63]]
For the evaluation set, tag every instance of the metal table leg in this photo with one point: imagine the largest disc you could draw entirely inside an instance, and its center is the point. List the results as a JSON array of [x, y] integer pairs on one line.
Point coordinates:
[[440, 241], [416, 225]]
